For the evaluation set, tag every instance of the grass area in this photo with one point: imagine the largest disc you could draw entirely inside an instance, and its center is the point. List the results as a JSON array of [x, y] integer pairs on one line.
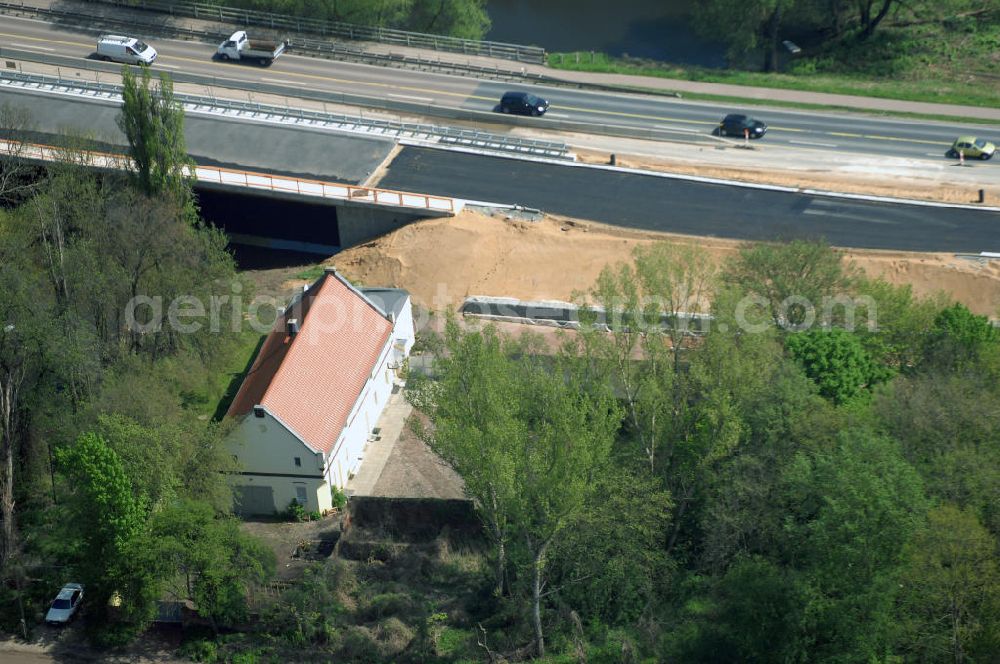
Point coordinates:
[[929, 63], [313, 273], [234, 367]]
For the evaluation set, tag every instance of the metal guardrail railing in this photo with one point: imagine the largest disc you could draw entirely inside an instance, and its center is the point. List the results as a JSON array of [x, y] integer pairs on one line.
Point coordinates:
[[302, 45], [415, 131], [249, 179], [338, 29]]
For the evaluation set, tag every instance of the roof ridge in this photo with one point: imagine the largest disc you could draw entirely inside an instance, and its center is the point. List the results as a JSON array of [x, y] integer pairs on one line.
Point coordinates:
[[381, 312]]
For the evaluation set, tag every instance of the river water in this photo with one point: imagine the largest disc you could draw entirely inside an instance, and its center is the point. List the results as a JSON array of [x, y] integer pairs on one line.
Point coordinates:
[[657, 29]]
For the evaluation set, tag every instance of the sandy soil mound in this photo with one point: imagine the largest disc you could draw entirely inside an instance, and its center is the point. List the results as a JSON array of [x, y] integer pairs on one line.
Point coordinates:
[[442, 261]]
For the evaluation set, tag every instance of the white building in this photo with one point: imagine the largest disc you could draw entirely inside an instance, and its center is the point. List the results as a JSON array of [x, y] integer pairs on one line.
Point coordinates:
[[321, 379]]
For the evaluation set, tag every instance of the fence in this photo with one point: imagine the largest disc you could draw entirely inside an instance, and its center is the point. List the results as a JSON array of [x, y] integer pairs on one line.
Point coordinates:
[[338, 29], [470, 138]]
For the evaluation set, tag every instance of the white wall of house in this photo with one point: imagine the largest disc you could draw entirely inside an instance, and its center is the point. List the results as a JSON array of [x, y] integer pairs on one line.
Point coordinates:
[[270, 455], [350, 447], [403, 331]]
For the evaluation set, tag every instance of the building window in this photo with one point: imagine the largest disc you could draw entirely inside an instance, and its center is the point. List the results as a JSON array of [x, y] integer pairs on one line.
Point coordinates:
[[300, 495], [298, 462]]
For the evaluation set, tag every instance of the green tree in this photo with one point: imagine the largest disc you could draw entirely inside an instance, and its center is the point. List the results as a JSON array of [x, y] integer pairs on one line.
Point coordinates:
[[747, 27], [756, 612], [794, 281], [959, 338], [569, 432], [608, 567], [108, 521], [836, 361], [850, 509], [950, 603], [902, 323], [218, 563], [153, 122], [527, 440], [949, 429], [472, 406]]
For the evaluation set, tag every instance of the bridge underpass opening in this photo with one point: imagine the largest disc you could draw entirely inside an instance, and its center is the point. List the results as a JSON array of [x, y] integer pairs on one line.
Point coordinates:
[[259, 225]]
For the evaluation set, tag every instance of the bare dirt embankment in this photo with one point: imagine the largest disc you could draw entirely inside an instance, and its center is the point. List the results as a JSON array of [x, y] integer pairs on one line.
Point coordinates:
[[851, 175], [442, 261]]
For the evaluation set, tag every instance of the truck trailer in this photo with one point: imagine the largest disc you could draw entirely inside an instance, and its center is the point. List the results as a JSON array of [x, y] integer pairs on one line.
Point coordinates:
[[240, 47]]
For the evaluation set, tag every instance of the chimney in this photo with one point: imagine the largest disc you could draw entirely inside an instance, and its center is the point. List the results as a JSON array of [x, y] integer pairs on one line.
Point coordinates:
[[258, 411], [292, 326]]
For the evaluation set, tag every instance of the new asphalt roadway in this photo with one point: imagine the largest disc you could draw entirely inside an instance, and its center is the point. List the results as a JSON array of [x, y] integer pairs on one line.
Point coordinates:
[[793, 130], [651, 202], [633, 200]]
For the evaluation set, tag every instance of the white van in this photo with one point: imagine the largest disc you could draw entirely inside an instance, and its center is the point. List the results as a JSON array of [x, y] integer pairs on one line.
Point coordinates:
[[125, 49]]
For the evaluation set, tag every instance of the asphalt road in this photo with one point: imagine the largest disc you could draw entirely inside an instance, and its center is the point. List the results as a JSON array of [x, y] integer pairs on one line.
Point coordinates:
[[623, 199], [794, 130], [677, 206]]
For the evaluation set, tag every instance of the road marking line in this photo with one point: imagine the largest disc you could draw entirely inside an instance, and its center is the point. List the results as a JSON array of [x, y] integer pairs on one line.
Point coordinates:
[[853, 217], [328, 79], [31, 46], [282, 81], [822, 145], [426, 100], [556, 115], [673, 128], [161, 64]]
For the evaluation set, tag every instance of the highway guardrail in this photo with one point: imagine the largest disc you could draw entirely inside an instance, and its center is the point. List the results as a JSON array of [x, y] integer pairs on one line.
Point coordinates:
[[391, 104], [337, 29], [469, 138]]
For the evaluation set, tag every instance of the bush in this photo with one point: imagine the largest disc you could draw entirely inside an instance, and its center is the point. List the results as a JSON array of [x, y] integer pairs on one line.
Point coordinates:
[[389, 604], [200, 651], [339, 497], [295, 511]]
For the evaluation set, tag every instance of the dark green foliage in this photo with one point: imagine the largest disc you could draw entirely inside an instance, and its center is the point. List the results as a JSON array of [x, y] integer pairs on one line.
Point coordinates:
[[612, 564], [836, 361], [850, 509], [755, 613], [455, 18], [960, 338], [108, 525], [950, 601], [153, 124]]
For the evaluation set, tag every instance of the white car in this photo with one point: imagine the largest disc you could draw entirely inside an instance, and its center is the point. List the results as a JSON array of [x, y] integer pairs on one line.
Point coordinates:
[[129, 50], [65, 605]]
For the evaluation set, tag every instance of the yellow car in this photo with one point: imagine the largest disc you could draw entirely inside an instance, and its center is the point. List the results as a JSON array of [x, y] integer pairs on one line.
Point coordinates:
[[971, 148]]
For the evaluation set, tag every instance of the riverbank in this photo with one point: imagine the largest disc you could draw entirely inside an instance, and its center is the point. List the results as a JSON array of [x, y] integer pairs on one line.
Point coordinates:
[[932, 61]]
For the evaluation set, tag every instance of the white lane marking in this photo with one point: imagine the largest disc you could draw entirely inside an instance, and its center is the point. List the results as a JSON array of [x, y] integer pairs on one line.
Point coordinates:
[[556, 115], [32, 47], [160, 64], [843, 215], [685, 130], [277, 80], [426, 100], [822, 145]]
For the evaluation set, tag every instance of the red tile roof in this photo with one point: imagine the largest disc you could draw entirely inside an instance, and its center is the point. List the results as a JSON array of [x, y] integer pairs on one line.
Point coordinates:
[[311, 381]]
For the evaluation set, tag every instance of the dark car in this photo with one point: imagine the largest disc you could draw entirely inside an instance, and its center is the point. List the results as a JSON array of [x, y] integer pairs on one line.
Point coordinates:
[[523, 103], [736, 124]]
